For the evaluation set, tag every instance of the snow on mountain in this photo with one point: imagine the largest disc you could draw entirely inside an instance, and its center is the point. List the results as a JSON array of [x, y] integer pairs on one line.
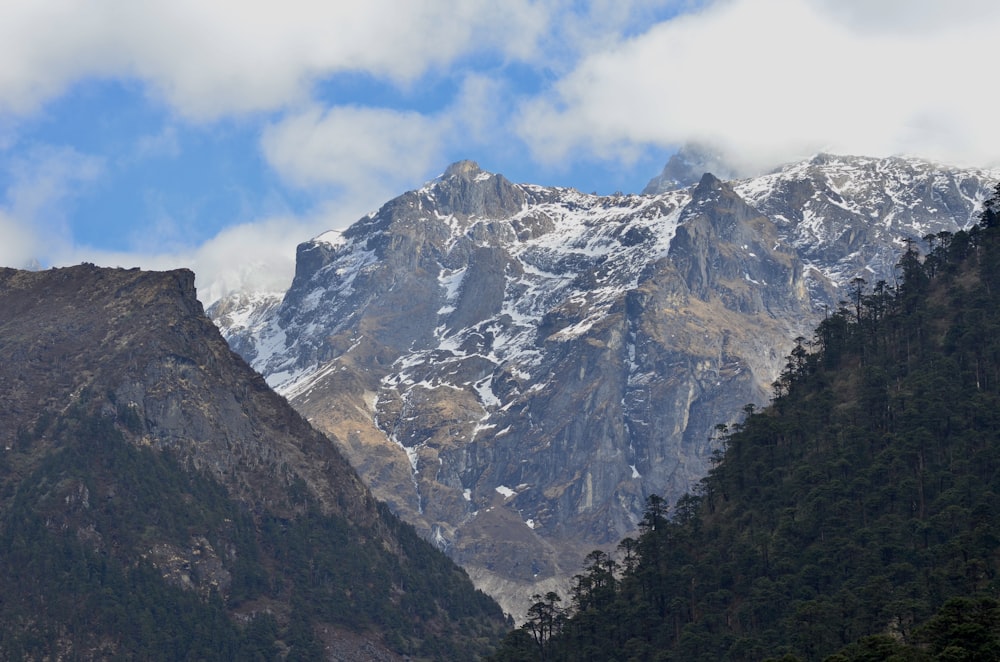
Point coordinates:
[[514, 368], [849, 216]]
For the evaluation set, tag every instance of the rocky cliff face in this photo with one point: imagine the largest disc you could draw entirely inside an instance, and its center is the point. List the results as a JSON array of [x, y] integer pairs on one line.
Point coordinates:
[[89, 356], [140, 341], [515, 368]]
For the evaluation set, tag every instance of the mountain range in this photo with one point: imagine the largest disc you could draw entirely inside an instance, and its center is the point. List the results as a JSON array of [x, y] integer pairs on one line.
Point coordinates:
[[515, 368], [852, 519]]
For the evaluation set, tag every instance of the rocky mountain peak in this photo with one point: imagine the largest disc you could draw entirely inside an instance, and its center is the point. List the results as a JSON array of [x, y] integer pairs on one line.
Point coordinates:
[[465, 169], [708, 184], [847, 215], [724, 247], [525, 364], [76, 320], [134, 435], [465, 190]]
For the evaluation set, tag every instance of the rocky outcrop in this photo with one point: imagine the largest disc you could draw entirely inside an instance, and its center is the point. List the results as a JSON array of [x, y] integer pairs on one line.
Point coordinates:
[[724, 247], [516, 368]]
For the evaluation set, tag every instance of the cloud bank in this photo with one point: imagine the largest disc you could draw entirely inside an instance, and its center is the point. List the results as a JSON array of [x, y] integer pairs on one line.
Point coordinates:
[[207, 59], [766, 81], [262, 61], [545, 81]]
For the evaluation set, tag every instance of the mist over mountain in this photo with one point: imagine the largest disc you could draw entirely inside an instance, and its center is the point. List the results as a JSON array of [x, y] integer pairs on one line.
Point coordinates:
[[686, 167], [515, 368]]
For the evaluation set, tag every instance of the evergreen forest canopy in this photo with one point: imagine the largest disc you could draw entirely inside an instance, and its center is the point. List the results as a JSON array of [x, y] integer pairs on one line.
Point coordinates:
[[64, 597], [855, 518]]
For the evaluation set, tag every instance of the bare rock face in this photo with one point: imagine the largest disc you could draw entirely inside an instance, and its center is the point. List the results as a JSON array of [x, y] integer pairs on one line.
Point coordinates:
[[138, 339], [516, 368]]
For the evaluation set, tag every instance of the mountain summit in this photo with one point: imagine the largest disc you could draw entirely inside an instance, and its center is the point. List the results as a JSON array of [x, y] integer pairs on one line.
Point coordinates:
[[515, 368]]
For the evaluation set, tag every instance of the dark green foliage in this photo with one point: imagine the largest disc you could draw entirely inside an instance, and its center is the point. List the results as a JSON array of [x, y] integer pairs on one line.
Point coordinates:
[[964, 629], [343, 578], [60, 593], [858, 516], [76, 537]]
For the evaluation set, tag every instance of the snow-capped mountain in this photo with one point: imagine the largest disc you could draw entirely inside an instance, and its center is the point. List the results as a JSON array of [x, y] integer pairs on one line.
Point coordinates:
[[514, 368]]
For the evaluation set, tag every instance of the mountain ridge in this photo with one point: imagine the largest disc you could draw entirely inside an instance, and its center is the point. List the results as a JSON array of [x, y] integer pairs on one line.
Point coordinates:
[[161, 501]]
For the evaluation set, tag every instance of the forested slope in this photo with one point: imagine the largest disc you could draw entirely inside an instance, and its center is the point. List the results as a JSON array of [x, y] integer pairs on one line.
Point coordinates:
[[858, 515], [159, 502]]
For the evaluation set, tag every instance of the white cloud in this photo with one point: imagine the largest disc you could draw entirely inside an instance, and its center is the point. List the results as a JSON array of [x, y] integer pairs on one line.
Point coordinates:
[[770, 80], [260, 256], [19, 246], [353, 148], [479, 113], [257, 256], [33, 221], [227, 56], [582, 28], [381, 152], [910, 16]]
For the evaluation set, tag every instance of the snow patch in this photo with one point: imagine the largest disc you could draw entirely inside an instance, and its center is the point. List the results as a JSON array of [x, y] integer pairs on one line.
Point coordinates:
[[332, 238], [486, 394]]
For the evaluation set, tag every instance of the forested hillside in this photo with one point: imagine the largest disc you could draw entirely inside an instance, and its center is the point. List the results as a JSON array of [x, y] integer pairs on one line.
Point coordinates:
[[857, 516], [159, 502]]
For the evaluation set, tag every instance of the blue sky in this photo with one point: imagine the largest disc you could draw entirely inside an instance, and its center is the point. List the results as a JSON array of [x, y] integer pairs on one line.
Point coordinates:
[[219, 135]]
